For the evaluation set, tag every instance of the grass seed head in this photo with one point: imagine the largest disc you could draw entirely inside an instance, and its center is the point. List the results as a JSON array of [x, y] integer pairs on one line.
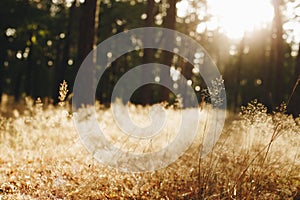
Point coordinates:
[[63, 91]]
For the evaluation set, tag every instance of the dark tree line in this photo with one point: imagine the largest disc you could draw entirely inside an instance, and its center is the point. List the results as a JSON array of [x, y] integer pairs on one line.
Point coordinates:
[[44, 42]]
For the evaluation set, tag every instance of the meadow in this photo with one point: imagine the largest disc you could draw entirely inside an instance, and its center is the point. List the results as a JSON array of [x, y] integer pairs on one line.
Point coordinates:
[[42, 157]]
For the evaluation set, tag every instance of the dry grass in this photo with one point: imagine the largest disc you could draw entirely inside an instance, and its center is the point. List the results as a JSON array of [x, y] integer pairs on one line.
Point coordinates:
[[257, 157]]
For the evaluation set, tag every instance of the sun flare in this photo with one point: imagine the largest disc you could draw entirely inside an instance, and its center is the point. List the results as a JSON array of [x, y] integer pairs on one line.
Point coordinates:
[[235, 17], [232, 17]]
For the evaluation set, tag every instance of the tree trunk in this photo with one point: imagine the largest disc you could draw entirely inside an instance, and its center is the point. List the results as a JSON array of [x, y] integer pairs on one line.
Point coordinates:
[[29, 77], [2, 56], [2, 60], [17, 85], [1, 81], [62, 59], [59, 70], [86, 32], [89, 22], [269, 73], [169, 22], [148, 57], [96, 27], [238, 76], [294, 99], [278, 53]]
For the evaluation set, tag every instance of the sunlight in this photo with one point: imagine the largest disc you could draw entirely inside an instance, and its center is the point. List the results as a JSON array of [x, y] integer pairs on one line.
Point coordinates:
[[183, 8], [232, 17], [292, 26], [235, 17]]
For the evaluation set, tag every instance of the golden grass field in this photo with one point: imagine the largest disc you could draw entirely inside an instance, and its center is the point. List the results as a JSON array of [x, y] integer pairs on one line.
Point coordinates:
[[42, 157]]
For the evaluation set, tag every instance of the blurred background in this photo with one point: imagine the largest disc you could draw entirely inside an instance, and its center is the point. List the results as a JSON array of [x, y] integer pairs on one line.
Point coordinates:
[[254, 43]]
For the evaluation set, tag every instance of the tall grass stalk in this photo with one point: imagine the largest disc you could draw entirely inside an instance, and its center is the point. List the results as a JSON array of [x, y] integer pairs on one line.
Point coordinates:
[[294, 89]]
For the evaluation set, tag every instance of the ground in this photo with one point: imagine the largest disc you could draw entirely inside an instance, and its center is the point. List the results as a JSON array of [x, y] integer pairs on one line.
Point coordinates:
[[42, 157]]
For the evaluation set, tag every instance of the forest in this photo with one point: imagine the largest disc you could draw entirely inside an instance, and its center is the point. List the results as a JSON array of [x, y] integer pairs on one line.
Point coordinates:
[[45, 42]]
